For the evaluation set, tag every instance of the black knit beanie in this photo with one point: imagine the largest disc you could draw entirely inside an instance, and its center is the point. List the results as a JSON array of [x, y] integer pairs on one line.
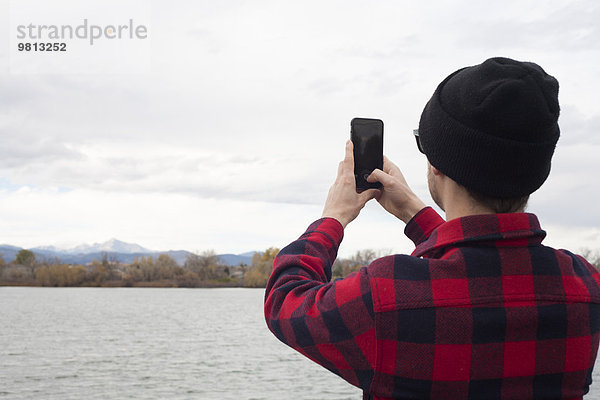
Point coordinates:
[[493, 127]]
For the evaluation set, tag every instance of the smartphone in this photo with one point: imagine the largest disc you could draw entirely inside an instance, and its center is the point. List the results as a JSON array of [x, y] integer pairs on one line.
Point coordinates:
[[367, 136]]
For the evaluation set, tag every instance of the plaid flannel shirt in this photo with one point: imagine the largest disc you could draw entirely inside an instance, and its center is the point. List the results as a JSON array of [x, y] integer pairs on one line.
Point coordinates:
[[481, 310]]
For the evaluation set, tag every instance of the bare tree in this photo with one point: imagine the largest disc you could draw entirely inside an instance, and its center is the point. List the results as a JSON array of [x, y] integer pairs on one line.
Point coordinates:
[[206, 264], [26, 258]]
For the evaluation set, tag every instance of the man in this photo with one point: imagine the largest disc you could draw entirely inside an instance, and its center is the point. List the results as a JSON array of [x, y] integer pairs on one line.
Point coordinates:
[[481, 309]]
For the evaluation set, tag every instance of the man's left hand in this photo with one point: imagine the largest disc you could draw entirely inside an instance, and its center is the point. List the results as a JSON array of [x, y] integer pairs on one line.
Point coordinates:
[[343, 202]]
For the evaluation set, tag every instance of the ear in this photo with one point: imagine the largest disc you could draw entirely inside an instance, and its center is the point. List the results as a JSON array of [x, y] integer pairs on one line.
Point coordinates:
[[433, 169]]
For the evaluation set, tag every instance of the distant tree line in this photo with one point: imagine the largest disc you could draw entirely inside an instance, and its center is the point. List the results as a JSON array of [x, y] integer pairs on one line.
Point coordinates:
[[199, 270]]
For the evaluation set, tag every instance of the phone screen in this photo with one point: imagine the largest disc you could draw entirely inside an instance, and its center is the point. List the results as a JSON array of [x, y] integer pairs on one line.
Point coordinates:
[[367, 136]]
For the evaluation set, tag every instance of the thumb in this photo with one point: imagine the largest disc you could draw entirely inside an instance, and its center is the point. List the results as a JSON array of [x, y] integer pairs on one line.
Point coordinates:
[[379, 176]]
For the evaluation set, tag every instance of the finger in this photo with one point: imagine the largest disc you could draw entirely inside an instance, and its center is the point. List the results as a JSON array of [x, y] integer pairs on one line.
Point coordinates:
[[389, 166], [349, 158], [340, 168], [378, 194]]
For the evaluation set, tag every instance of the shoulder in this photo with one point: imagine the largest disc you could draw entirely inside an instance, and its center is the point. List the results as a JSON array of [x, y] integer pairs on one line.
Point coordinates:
[[399, 266], [399, 280]]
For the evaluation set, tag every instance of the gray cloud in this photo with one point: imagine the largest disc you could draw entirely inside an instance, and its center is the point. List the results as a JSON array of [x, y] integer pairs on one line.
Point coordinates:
[[26, 145], [247, 105], [569, 195], [573, 26], [208, 175], [577, 128], [33, 154]]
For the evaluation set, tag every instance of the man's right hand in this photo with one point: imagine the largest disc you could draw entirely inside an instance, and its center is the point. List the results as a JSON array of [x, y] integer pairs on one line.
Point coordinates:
[[396, 196]]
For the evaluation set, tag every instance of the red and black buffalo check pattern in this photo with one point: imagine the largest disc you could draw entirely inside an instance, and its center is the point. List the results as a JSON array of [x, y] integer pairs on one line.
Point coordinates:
[[481, 310]]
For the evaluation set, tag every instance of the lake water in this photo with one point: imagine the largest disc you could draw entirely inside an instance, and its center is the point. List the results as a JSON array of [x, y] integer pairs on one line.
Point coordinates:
[[129, 343], [116, 343]]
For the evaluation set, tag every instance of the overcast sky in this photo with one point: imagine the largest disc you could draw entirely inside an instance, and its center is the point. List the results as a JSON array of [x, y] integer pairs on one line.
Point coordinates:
[[230, 136]]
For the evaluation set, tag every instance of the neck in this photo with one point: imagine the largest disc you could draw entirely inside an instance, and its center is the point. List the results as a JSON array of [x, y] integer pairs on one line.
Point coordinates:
[[458, 202], [464, 209], [453, 198]]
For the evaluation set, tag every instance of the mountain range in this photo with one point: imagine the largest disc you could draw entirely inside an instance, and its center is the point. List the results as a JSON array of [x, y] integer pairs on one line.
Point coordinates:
[[112, 246], [115, 250]]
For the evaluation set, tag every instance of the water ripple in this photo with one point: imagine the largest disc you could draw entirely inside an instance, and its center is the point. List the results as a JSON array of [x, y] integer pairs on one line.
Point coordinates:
[[98, 343]]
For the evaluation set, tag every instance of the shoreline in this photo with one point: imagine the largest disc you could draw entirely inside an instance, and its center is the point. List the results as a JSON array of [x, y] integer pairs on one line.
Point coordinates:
[[150, 284]]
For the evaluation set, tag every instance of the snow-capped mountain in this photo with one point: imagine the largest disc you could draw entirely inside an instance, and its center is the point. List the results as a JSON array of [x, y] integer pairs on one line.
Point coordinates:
[[110, 246]]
